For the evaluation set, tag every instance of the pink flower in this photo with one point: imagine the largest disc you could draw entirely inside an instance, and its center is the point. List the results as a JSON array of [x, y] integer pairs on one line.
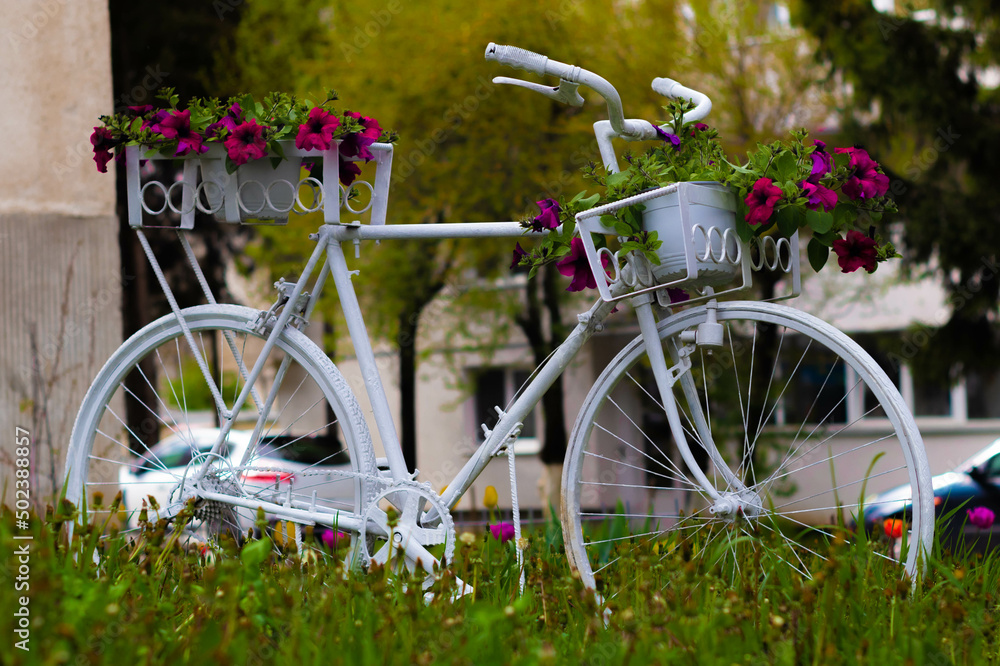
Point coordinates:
[[575, 264], [153, 122], [246, 143], [331, 538], [519, 254], [981, 517], [177, 125], [502, 532], [356, 144], [699, 127], [549, 217], [317, 132], [822, 162], [866, 182], [856, 251], [761, 201], [819, 196], [103, 142]]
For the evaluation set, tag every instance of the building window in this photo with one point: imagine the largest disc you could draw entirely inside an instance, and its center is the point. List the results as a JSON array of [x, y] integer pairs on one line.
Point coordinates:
[[497, 387]]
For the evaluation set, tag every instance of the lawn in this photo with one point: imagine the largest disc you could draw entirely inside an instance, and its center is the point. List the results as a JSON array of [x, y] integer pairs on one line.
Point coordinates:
[[150, 601]]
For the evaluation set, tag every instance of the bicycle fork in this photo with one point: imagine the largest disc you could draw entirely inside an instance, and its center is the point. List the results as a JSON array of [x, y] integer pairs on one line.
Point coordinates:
[[736, 498]]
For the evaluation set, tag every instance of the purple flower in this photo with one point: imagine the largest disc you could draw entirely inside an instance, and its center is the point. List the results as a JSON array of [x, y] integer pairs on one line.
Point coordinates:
[[549, 217], [316, 133], [865, 182], [136, 111], [519, 254], [228, 122], [357, 143], [672, 139], [981, 517], [178, 126], [822, 162], [502, 532], [103, 143], [246, 143], [761, 201], [856, 251], [676, 295], [819, 196], [153, 122], [575, 265], [699, 127], [348, 171]]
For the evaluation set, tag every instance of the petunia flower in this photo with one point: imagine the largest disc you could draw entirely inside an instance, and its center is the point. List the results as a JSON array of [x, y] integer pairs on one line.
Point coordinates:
[[761, 201], [856, 251], [549, 217], [893, 528], [153, 122], [519, 253], [177, 125], [357, 143], [575, 265], [103, 143], [672, 139], [348, 170], [141, 110], [822, 162], [228, 122], [819, 196], [981, 517], [502, 532], [317, 132], [698, 127], [866, 182], [246, 143]]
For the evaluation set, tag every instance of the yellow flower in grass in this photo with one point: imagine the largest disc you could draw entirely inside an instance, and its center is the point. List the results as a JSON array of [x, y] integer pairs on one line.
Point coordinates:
[[490, 497]]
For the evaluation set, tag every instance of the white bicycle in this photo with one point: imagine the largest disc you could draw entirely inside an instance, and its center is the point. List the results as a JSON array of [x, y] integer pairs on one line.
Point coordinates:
[[740, 424]]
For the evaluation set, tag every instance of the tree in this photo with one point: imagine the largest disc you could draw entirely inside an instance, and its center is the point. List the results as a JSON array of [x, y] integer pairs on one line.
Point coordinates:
[[923, 93]]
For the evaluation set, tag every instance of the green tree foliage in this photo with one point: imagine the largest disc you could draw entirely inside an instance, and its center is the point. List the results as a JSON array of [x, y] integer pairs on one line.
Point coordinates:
[[924, 91]]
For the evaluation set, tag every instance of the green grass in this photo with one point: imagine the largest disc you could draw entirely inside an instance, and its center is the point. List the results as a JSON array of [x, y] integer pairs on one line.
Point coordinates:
[[149, 601]]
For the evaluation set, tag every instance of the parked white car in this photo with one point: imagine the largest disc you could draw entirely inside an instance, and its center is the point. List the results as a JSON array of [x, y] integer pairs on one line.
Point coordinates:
[[282, 465]]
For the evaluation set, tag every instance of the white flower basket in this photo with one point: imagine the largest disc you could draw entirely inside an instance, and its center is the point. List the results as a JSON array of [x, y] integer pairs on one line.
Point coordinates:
[[260, 190], [696, 223]]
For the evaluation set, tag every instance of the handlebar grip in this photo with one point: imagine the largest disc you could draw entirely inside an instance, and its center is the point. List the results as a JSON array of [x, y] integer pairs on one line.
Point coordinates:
[[517, 57]]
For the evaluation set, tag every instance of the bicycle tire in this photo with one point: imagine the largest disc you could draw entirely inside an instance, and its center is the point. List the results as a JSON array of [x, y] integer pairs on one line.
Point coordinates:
[[102, 444], [618, 476]]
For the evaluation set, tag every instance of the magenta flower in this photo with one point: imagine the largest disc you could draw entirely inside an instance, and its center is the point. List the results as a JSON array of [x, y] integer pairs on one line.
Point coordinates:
[[761, 201], [819, 196], [331, 538], [822, 162], [699, 127], [672, 139], [228, 122], [866, 182], [317, 132], [519, 254], [348, 171], [502, 532], [177, 125], [856, 251], [246, 143], [356, 144], [575, 265], [103, 143], [549, 217], [153, 122], [141, 110], [981, 517]]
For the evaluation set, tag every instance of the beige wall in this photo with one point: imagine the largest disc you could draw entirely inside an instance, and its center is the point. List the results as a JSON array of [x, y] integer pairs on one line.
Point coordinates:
[[59, 260]]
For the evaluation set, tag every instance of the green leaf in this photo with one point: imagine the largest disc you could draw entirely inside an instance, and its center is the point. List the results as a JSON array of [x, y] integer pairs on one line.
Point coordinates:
[[844, 215], [818, 254], [826, 238], [789, 219], [819, 221], [589, 202], [608, 221], [785, 167], [616, 179]]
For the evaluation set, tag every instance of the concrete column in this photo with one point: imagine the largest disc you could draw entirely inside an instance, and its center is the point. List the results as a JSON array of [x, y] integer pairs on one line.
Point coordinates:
[[60, 288]]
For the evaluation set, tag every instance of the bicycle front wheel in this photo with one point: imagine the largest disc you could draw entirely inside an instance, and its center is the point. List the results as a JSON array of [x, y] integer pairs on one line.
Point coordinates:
[[149, 422], [791, 421]]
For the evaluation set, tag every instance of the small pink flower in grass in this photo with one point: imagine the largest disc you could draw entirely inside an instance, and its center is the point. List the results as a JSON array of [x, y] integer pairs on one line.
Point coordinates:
[[502, 532], [246, 143], [981, 517], [316, 133], [332, 539]]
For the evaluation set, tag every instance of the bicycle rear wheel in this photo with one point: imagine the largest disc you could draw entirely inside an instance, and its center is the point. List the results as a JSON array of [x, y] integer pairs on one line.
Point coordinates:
[[149, 420], [792, 422]]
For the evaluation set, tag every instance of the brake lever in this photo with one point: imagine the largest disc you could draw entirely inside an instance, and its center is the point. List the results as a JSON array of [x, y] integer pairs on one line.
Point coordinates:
[[566, 92]]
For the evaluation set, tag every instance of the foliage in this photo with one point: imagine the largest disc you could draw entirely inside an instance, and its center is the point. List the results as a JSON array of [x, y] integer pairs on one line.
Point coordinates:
[[924, 92], [148, 600]]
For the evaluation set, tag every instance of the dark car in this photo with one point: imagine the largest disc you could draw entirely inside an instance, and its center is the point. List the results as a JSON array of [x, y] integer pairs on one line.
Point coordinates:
[[974, 483]]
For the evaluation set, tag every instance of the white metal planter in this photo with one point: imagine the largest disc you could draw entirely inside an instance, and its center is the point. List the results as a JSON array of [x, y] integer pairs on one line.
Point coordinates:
[[259, 190]]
